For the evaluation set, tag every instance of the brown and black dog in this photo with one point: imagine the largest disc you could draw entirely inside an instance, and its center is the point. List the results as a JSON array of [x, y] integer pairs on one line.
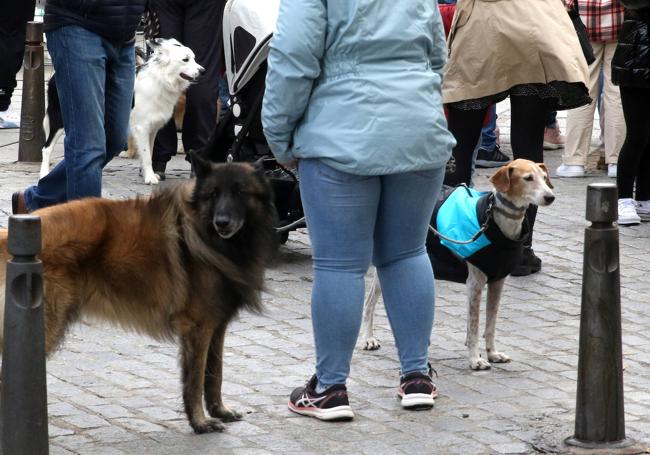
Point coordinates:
[[178, 265]]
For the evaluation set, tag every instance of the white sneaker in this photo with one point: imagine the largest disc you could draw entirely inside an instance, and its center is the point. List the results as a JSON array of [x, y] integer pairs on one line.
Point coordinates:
[[10, 118], [570, 170], [627, 214], [643, 210], [611, 170]]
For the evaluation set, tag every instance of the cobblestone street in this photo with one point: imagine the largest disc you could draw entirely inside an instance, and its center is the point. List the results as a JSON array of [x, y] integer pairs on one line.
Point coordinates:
[[112, 392]]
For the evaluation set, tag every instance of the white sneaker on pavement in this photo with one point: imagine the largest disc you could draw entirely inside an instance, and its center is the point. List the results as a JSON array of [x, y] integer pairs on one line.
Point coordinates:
[[643, 210], [10, 118], [570, 170], [611, 170], [627, 214]]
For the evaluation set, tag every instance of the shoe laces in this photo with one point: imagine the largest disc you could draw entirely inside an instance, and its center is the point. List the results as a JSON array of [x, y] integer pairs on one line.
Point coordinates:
[[626, 205]]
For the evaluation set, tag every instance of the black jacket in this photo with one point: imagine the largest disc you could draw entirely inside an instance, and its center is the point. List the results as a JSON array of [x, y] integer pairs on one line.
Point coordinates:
[[631, 62], [115, 20], [496, 260]]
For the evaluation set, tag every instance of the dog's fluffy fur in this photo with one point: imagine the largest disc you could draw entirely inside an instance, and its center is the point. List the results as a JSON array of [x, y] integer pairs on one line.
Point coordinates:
[[178, 265], [158, 95], [521, 183], [158, 87]]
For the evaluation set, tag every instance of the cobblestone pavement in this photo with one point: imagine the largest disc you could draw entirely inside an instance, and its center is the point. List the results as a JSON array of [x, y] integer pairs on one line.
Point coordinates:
[[111, 392]]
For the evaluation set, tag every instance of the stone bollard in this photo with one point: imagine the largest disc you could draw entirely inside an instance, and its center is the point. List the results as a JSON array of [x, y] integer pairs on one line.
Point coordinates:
[[32, 136], [24, 391], [600, 422]]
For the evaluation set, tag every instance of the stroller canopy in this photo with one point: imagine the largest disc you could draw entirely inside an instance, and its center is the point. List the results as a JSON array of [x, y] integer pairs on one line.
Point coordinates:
[[247, 29]]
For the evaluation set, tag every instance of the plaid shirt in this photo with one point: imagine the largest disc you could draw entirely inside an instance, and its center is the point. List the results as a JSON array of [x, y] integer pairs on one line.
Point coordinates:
[[603, 18]]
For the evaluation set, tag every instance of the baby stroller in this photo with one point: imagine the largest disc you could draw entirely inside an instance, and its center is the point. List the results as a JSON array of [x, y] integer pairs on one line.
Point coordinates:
[[247, 29]]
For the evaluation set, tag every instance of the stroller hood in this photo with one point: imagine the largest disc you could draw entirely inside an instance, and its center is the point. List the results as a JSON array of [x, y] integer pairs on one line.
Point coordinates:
[[247, 29]]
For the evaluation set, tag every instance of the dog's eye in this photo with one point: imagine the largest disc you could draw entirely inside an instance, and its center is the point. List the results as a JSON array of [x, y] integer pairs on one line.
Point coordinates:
[[186, 59], [528, 178]]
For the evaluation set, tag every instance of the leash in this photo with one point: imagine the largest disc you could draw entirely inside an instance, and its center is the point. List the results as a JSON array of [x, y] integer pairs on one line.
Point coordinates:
[[482, 229]]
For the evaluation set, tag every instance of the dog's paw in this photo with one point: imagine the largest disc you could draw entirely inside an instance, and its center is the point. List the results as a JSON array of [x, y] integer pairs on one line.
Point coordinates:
[[371, 344], [224, 413], [151, 179], [125, 154], [498, 357], [478, 363], [208, 426]]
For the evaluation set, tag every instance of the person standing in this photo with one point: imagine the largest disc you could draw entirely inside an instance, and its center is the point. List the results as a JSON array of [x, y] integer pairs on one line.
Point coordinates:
[[353, 95], [603, 20], [13, 21], [198, 25], [534, 58], [92, 49], [631, 72]]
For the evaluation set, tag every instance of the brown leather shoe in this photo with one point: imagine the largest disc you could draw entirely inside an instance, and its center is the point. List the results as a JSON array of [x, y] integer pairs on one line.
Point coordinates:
[[18, 206]]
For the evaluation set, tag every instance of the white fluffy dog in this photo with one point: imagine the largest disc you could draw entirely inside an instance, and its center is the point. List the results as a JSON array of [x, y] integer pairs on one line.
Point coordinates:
[[158, 86]]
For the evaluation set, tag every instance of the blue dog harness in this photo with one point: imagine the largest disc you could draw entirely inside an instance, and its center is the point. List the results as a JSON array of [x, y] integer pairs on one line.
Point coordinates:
[[459, 215]]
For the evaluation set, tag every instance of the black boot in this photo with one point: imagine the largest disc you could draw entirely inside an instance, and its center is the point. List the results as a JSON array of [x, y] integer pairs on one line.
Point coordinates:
[[159, 168], [530, 263]]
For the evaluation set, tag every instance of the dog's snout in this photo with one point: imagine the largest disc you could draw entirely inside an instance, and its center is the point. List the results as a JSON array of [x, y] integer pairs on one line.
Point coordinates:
[[201, 70], [221, 220], [549, 198]]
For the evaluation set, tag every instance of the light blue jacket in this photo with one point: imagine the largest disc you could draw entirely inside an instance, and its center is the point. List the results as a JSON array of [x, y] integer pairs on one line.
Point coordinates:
[[356, 83]]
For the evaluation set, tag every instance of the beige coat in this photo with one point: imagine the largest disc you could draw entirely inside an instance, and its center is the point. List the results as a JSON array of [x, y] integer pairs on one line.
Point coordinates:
[[496, 44]]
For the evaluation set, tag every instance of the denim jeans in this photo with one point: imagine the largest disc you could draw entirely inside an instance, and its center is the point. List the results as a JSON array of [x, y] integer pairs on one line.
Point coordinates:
[[94, 80], [488, 135], [353, 220]]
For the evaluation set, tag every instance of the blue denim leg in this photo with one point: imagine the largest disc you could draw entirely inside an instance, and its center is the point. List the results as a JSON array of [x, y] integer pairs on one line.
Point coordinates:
[[404, 268], [488, 136], [346, 215], [95, 84]]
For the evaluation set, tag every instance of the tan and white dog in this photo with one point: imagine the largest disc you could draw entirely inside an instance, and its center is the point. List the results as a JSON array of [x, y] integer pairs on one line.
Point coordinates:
[[517, 185]]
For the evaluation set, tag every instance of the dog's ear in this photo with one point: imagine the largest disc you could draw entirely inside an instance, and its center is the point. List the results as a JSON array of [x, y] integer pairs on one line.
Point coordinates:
[[547, 178], [201, 167], [501, 179]]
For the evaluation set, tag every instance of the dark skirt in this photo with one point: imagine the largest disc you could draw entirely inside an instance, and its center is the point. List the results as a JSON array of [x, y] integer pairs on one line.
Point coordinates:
[[559, 94]]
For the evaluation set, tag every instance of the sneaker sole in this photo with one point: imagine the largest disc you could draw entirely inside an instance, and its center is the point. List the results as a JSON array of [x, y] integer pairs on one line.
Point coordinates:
[[338, 413], [490, 164], [417, 401], [551, 146], [628, 222], [569, 174]]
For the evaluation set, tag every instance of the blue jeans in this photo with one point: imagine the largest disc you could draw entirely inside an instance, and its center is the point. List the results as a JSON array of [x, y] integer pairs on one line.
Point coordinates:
[[94, 80], [352, 220], [488, 137]]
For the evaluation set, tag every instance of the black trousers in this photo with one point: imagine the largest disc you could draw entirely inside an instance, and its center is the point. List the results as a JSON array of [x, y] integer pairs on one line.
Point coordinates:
[[13, 19], [198, 25], [527, 122], [634, 157]]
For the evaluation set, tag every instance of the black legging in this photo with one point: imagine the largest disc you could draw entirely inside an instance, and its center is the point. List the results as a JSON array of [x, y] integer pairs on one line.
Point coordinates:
[[527, 121], [634, 157], [198, 25]]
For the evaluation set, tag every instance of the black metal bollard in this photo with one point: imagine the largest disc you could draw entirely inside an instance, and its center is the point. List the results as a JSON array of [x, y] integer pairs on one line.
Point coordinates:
[[600, 422], [24, 391], [32, 136]]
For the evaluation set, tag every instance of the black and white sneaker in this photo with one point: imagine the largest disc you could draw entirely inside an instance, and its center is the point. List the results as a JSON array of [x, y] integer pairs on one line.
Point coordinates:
[[491, 158], [332, 404], [417, 391]]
